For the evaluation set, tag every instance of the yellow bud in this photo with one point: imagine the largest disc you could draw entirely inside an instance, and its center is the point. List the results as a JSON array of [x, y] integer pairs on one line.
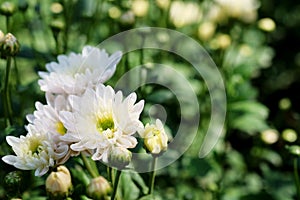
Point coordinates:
[[58, 183], [206, 30], [270, 136], [140, 7], [56, 8], [267, 24], [99, 188], [155, 138], [163, 4], [114, 12]]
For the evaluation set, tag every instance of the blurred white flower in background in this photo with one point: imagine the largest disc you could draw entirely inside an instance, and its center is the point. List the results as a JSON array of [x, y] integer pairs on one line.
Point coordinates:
[[140, 7], [101, 120], [184, 13], [244, 10], [72, 74]]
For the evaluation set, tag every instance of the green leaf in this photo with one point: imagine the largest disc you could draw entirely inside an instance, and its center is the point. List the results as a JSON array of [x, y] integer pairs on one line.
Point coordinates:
[[250, 107], [294, 149], [127, 189], [249, 123]]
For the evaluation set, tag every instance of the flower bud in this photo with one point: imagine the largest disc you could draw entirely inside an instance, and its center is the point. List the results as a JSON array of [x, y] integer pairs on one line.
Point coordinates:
[[127, 19], [140, 7], [59, 184], [155, 138], [119, 157], [9, 45], [7, 8], [99, 188]]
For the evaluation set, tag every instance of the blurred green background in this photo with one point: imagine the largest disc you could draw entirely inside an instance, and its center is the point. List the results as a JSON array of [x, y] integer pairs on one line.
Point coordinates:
[[255, 45]]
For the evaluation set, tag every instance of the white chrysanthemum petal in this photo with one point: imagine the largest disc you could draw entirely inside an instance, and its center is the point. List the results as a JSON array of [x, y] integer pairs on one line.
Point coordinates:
[[72, 74], [101, 119]]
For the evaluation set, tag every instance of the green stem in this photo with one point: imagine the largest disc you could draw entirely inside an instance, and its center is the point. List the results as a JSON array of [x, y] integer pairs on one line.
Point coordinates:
[[152, 175], [17, 72], [297, 182], [116, 182], [7, 103], [93, 172], [109, 173], [7, 24]]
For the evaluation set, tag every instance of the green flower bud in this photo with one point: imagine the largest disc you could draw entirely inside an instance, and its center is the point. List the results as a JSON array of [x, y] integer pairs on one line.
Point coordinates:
[[9, 45], [58, 183], [99, 188], [57, 25], [23, 5], [7, 8], [119, 157]]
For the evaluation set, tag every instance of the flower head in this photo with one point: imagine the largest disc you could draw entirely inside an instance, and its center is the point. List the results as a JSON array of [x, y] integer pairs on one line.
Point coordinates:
[[155, 138], [33, 152], [72, 74], [100, 120], [46, 119]]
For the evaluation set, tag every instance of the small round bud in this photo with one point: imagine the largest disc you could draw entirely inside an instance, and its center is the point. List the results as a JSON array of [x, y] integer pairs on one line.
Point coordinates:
[[127, 19], [155, 138], [119, 157], [13, 179], [23, 5], [99, 188], [7, 8], [58, 183], [267, 24], [9, 45], [140, 7], [57, 25]]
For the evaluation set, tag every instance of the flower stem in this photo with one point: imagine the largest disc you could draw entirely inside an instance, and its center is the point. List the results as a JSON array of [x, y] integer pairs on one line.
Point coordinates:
[[7, 103], [92, 170], [297, 182], [152, 175], [7, 24], [115, 184]]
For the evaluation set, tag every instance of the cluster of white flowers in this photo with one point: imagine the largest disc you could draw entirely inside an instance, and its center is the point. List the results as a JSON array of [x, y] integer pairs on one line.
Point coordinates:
[[81, 115]]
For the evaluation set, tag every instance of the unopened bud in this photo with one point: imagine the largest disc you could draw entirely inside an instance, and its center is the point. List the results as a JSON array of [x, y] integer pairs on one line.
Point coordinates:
[[119, 157], [59, 184], [22, 5], [155, 138], [99, 188], [127, 19], [57, 25], [7, 8], [9, 45]]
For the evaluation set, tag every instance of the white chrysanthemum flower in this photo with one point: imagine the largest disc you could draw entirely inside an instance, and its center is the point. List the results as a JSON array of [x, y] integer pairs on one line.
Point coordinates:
[[33, 152], [245, 10], [155, 137], [46, 117], [101, 119], [75, 72]]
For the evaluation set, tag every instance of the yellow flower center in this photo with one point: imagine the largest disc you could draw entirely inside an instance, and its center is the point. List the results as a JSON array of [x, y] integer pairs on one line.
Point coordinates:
[[34, 145], [105, 123], [60, 128]]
